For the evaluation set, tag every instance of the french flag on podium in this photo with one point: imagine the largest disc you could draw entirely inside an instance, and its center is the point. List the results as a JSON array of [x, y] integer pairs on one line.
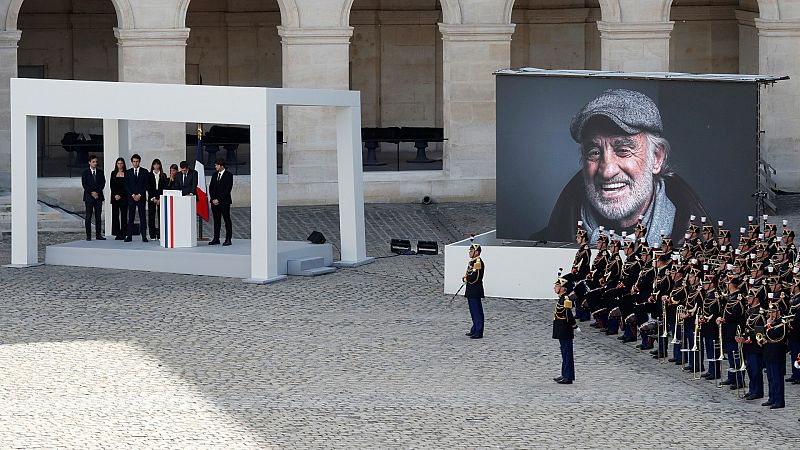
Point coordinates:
[[202, 189]]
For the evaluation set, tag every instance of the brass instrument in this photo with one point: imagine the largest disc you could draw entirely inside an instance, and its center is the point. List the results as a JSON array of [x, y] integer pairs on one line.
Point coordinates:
[[696, 369], [740, 387], [679, 312]]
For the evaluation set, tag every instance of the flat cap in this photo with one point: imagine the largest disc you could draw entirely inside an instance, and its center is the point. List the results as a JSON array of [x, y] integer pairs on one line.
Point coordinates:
[[631, 111]]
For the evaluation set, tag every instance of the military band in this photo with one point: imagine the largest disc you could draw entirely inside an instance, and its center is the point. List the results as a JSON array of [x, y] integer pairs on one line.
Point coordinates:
[[721, 311]]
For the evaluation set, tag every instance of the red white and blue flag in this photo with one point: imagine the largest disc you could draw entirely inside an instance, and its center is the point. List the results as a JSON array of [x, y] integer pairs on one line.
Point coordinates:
[[202, 190]]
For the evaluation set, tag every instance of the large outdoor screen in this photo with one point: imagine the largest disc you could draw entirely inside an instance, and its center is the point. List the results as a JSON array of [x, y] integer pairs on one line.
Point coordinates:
[[609, 151]]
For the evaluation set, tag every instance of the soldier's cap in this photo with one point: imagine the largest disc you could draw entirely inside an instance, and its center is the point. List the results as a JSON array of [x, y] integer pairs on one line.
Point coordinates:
[[475, 248], [788, 232], [664, 257], [694, 270], [602, 238], [630, 245], [693, 228], [615, 243], [581, 232], [770, 226], [559, 280], [666, 241], [752, 227], [709, 278], [724, 233], [708, 229], [633, 112]]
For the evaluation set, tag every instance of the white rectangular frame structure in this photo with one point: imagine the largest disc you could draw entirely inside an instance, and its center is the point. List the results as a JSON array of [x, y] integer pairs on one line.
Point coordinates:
[[117, 103]]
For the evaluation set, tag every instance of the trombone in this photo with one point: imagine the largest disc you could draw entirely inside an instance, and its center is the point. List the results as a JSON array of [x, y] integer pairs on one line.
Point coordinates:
[[739, 371], [679, 312], [696, 371]]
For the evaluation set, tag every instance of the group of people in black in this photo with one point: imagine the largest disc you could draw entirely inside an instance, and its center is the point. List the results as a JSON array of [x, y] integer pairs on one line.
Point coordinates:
[[138, 189], [696, 306]]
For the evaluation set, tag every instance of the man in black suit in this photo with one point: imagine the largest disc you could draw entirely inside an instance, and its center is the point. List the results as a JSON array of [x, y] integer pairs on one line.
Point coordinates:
[[219, 190], [187, 179], [93, 182], [136, 185]]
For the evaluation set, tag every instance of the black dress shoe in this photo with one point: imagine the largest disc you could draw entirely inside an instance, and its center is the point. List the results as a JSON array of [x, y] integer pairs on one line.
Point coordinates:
[[727, 383], [777, 406], [672, 360], [736, 386], [128, 239], [474, 336], [468, 333], [678, 363], [790, 380], [622, 337], [119, 238], [226, 243], [564, 381], [627, 340], [213, 242], [611, 333], [654, 352], [556, 379], [100, 238], [767, 403], [144, 239], [647, 348], [88, 238]]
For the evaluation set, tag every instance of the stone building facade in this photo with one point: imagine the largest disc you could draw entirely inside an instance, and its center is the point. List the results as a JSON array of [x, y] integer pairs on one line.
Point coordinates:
[[416, 62]]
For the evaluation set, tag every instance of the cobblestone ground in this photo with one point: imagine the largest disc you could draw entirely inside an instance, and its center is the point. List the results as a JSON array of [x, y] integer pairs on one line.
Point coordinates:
[[373, 357]]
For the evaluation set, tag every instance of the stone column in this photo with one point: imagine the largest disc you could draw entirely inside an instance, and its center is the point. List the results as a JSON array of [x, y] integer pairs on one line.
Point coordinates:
[[635, 35], [154, 56], [8, 70], [779, 54], [316, 58], [471, 54]]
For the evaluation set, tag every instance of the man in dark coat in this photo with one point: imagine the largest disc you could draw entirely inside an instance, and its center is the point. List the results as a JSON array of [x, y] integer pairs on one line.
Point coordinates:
[[136, 186], [625, 174], [219, 191], [93, 182]]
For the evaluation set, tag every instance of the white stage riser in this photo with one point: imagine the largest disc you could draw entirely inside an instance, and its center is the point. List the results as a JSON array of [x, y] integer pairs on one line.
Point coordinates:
[[231, 261], [511, 272]]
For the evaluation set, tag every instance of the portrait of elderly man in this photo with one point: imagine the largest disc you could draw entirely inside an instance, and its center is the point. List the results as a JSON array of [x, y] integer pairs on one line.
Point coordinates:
[[625, 174]]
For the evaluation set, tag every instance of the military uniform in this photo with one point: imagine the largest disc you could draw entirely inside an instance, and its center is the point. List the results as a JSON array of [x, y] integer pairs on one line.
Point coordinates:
[[474, 292], [564, 326], [753, 352], [775, 360]]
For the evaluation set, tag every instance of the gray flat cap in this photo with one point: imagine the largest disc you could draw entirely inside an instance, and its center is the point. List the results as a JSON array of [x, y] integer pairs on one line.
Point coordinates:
[[632, 111]]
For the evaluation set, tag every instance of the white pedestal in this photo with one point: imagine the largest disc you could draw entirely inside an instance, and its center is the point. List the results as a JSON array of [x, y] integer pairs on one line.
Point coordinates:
[[178, 220]]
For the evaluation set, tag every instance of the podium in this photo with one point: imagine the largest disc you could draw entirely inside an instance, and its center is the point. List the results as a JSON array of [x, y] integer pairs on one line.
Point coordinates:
[[178, 220]]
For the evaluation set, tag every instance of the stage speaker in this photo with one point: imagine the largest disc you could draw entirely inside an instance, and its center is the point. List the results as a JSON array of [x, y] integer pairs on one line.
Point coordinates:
[[316, 238], [427, 248], [400, 246]]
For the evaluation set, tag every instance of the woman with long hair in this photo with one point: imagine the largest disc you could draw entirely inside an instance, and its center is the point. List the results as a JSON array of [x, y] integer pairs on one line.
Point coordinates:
[[119, 201], [155, 187]]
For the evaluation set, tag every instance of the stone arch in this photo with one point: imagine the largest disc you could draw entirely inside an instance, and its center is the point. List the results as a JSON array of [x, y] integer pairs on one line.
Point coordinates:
[[451, 11], [122, 8], [290, 17]]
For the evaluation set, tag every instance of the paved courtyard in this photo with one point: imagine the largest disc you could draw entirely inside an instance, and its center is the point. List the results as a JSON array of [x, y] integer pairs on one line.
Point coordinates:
[[373, 357]]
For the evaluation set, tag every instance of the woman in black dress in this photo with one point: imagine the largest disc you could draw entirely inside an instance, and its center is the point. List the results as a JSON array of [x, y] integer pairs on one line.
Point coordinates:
[[119, 201]]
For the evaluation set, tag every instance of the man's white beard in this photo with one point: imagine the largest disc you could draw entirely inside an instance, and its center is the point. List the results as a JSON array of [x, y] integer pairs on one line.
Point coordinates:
[[641, 190]]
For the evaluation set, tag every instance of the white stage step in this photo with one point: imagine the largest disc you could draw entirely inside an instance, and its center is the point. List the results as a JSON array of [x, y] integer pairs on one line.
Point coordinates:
[[231, 261], [309, 267]]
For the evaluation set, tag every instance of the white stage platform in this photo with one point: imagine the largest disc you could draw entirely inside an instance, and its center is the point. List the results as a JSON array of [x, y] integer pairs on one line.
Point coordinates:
[[211, 260], [514, 269]]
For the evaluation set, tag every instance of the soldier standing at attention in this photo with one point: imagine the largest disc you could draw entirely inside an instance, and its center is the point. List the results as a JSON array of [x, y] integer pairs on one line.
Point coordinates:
[[473, 279], [563, 329]]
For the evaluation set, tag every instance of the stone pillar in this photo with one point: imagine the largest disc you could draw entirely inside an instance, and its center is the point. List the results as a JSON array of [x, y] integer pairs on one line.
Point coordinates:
[[316, 58], [779, 54], [635, 35], [471, 54], [154, 56], [8, 70]]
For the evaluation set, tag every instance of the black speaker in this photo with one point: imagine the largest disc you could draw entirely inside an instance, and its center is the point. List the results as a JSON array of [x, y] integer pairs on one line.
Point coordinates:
[[427, 248], [400, 246], [316, 238]]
